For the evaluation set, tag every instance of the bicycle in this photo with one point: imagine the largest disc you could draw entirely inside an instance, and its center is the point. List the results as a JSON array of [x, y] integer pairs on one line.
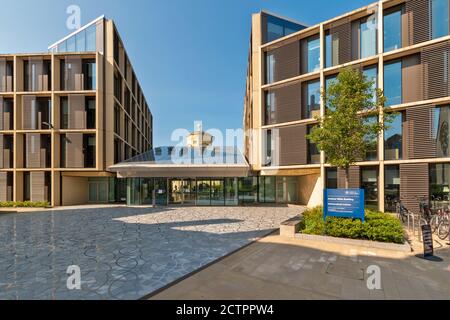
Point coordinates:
[[443, 230]]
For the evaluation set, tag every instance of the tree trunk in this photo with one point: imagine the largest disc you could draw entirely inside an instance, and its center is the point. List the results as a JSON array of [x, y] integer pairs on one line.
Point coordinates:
[[347, 173]]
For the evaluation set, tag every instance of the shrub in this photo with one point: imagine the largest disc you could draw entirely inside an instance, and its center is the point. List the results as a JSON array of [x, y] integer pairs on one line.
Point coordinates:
[[313, 222], [377, 227], [24, 204], [344, 228]]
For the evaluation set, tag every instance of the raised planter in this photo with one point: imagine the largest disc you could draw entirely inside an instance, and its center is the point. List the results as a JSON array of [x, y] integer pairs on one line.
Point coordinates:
[[355, 242], [290, 227]]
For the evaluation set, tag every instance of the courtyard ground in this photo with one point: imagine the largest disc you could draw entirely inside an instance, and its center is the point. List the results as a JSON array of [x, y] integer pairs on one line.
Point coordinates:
[[122, 252]]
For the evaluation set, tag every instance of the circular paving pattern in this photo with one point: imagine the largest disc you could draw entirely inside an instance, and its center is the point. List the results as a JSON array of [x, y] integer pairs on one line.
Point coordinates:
[[123, 253]]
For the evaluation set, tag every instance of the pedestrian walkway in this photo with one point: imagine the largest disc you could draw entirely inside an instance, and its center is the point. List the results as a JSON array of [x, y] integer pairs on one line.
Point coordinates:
[[282, 268]]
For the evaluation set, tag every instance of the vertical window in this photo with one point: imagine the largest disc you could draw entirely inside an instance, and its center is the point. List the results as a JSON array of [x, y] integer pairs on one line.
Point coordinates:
[[393, 83], [331, 49], [64, 113], [391, 187], [393, 30], [313, 102], [313, 151], [331, 178], [270, 108], [368, 38], [439, 18], [90, 112], [91, 41], [313, 54], [268, 149], [441, 131], [89, 72], [270, 68], [372, 142], [439, 184], [371, 74], [369, 182], [393, 139]]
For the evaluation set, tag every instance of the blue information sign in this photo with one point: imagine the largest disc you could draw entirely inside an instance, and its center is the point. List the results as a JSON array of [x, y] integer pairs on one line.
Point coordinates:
[[344, 203]]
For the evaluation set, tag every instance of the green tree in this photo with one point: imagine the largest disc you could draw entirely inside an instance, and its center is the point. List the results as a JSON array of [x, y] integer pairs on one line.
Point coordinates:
[[347, 131]]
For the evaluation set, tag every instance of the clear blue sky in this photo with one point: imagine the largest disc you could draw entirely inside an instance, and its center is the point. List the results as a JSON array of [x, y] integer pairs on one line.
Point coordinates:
[[190, 55]]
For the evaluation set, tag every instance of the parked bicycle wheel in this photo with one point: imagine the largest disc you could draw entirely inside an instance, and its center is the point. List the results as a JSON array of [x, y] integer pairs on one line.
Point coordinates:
[[444, 230], [434, 223]]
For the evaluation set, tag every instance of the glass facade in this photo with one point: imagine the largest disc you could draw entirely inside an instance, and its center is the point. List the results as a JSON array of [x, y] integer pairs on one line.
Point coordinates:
[[269, 114], [331, 50], [439, 184], [391, 187], [371, 74], [440, 130], [212, 191], [277, 28], [368, 38], [372, 142], [83, 41], [439, 18], [313, 102], [393, 30], [393, 138], [313, 151], [313, 54], [270, 68], [393, 83]]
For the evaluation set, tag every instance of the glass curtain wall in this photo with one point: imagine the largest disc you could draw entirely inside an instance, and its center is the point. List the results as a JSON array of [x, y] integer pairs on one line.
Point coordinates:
[[439, 184]]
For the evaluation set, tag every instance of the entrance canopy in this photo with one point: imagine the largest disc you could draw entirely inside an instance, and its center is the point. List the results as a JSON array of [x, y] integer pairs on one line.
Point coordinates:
[[184, 162]]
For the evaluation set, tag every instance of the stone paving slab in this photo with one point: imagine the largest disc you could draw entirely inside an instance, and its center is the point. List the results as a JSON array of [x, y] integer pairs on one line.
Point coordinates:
[[123, 253]]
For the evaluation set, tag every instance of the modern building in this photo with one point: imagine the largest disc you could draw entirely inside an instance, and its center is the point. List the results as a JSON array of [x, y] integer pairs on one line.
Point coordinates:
[[69, 114], [405, 46]]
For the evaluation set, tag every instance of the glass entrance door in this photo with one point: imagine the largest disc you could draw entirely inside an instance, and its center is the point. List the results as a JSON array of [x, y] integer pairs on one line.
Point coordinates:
[[203, 192], [176, 192], [217, 193], [189, 192], [161, 191]]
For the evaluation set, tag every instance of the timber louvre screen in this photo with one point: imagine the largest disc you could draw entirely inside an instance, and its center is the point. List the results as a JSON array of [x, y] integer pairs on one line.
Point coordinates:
[[435, 60], [414, 181]]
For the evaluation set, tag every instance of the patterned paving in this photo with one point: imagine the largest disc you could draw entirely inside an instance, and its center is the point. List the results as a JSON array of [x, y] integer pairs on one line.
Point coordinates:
[[123, 253]]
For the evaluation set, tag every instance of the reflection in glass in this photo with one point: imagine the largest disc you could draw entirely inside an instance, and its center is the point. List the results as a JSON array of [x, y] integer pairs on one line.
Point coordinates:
[[371, 74], [368, 38], [372, 142], [393, 83], [313, 54], [313, 102], [439, 18], [313, 151], [270, 68], [439, 184], [369, 182], [441, 131], [393, 30], [393, 138], [270, 108], [203, 192], [391, 187], [217, 193]]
